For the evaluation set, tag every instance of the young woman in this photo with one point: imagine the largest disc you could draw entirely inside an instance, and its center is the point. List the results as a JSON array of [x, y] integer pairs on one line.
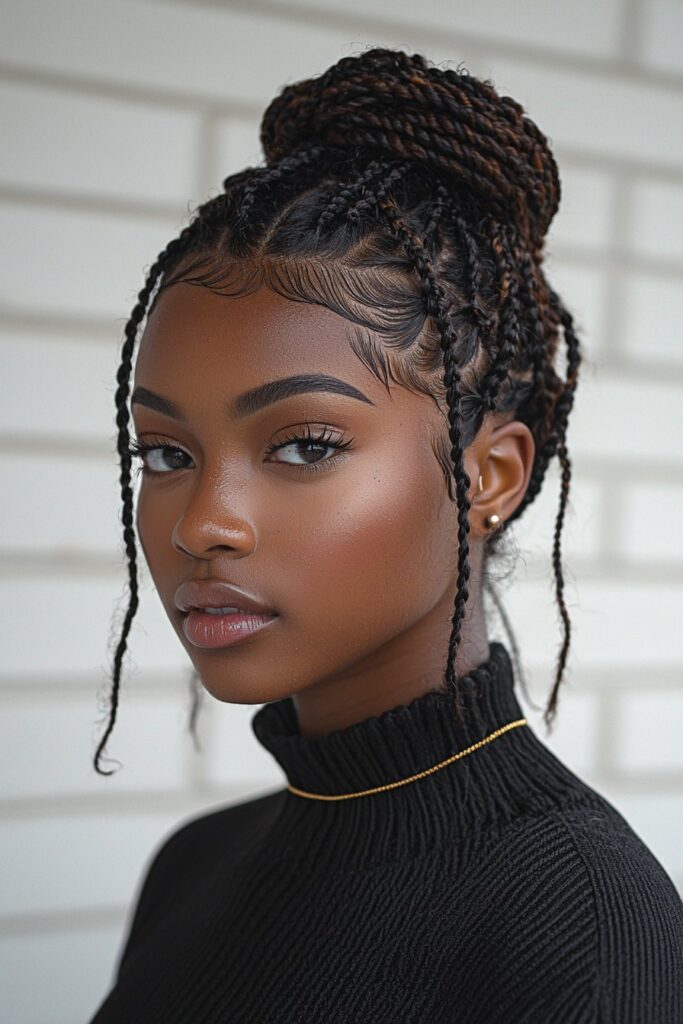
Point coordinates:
[[345, 392]]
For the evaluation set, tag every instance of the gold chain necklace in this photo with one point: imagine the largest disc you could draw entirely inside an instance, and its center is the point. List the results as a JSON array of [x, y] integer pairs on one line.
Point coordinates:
[[411, 778]]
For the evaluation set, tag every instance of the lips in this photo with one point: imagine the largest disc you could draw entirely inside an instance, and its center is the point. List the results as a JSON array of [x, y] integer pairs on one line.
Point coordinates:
[[195, 594]]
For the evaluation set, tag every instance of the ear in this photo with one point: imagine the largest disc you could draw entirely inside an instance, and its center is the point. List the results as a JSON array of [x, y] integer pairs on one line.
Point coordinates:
[[503, 455]]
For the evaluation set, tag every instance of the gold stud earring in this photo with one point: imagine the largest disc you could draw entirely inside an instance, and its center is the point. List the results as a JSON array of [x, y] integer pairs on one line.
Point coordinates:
[[493, 522]]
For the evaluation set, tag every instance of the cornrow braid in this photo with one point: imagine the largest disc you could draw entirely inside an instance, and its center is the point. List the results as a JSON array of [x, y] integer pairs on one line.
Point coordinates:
[[441, 205], [342, 201], [263, 177], [541, 370], [509, 334], [474, 270]]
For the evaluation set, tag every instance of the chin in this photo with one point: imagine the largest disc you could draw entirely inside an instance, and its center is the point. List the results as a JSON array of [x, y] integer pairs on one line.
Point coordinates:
[[230, 685]]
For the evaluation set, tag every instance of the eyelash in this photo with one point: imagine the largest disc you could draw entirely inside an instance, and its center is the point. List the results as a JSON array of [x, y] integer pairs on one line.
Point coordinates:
[[137, 449]]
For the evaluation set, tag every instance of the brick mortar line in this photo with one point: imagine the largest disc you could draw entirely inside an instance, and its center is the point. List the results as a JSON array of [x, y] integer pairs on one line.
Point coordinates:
[[101, 205], [133, 803], [644, 783], [128, 92], [630, 30], [206, 157], [34, 923], [155, 683], [612, 311]]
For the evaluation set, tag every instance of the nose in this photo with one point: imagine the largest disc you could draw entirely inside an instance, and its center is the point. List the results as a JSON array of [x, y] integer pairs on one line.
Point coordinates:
[[213, 522]]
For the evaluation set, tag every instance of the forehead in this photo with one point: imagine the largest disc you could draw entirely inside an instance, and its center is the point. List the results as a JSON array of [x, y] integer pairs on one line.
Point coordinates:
[[197, 337]]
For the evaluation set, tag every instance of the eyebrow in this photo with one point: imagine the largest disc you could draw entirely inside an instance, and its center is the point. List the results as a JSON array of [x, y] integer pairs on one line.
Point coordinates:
[[257, 398]]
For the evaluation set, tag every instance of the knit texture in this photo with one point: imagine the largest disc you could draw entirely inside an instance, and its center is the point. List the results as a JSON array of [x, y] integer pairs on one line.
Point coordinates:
[[501, 888]]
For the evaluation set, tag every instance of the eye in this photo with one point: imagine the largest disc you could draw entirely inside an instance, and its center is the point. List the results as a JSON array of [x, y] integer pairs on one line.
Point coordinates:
[[153, 455], [309, 447]]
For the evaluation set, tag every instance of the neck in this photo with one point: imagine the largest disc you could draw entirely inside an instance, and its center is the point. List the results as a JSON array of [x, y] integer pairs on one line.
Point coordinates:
[[413, 664]]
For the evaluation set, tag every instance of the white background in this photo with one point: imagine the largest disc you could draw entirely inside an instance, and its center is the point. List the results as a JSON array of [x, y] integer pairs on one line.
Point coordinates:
[[115, 116]]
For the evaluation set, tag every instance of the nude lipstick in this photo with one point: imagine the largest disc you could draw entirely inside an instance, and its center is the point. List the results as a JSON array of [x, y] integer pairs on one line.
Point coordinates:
[[205, 629], [219, 614]]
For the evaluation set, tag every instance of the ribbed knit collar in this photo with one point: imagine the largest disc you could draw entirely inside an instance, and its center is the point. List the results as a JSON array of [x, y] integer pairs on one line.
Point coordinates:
[[504, 778]]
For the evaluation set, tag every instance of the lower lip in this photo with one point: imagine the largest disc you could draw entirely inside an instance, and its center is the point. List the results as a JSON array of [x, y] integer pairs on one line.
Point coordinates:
[[205, 630]]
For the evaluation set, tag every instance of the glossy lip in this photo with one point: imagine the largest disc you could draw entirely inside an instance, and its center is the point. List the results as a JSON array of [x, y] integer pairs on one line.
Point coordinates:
[[203, 629], [198, 594]]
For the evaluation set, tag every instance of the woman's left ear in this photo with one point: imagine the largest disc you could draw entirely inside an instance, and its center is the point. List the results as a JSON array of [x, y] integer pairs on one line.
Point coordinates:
[[499, 463]]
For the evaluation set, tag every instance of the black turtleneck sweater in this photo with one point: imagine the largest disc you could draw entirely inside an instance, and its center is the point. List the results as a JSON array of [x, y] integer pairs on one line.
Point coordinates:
[[499, 889]]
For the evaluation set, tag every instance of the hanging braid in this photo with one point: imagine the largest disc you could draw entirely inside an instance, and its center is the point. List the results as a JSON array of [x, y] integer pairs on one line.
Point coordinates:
[[122, 419], [414, 202], [565, 404], [437, 306]]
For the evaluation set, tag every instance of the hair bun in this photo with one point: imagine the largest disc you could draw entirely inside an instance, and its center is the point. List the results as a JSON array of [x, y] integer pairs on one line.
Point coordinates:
[[391, 103]]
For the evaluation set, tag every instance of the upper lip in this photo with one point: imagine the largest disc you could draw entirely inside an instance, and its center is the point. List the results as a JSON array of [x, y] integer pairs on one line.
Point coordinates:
[[217, 594]]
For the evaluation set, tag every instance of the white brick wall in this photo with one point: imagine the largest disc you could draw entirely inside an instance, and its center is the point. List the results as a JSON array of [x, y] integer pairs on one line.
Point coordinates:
[[116, 115]]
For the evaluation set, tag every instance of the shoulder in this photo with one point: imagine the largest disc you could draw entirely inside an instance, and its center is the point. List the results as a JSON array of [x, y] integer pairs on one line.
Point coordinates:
[[231, 828], [634, 897], [614, 855], [222, 832], [581, 911], [185, 854], [638, 915]]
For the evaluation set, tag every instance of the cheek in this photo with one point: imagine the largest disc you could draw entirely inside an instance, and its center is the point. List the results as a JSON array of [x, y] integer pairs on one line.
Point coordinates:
[[143, 522], [372, 552], [155, 518]]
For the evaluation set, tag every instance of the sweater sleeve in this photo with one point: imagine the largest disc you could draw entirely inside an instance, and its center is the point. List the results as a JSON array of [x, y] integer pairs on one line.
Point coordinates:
[[639, 916]]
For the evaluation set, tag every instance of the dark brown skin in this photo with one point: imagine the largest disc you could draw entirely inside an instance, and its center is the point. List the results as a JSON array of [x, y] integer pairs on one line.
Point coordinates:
[[359, 559]]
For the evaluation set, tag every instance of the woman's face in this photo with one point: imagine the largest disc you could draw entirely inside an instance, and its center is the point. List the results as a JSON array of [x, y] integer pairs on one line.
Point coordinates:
[[355, 549]]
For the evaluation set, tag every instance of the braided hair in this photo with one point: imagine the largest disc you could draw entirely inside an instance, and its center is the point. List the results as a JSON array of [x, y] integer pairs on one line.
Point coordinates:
[[413, 201]]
